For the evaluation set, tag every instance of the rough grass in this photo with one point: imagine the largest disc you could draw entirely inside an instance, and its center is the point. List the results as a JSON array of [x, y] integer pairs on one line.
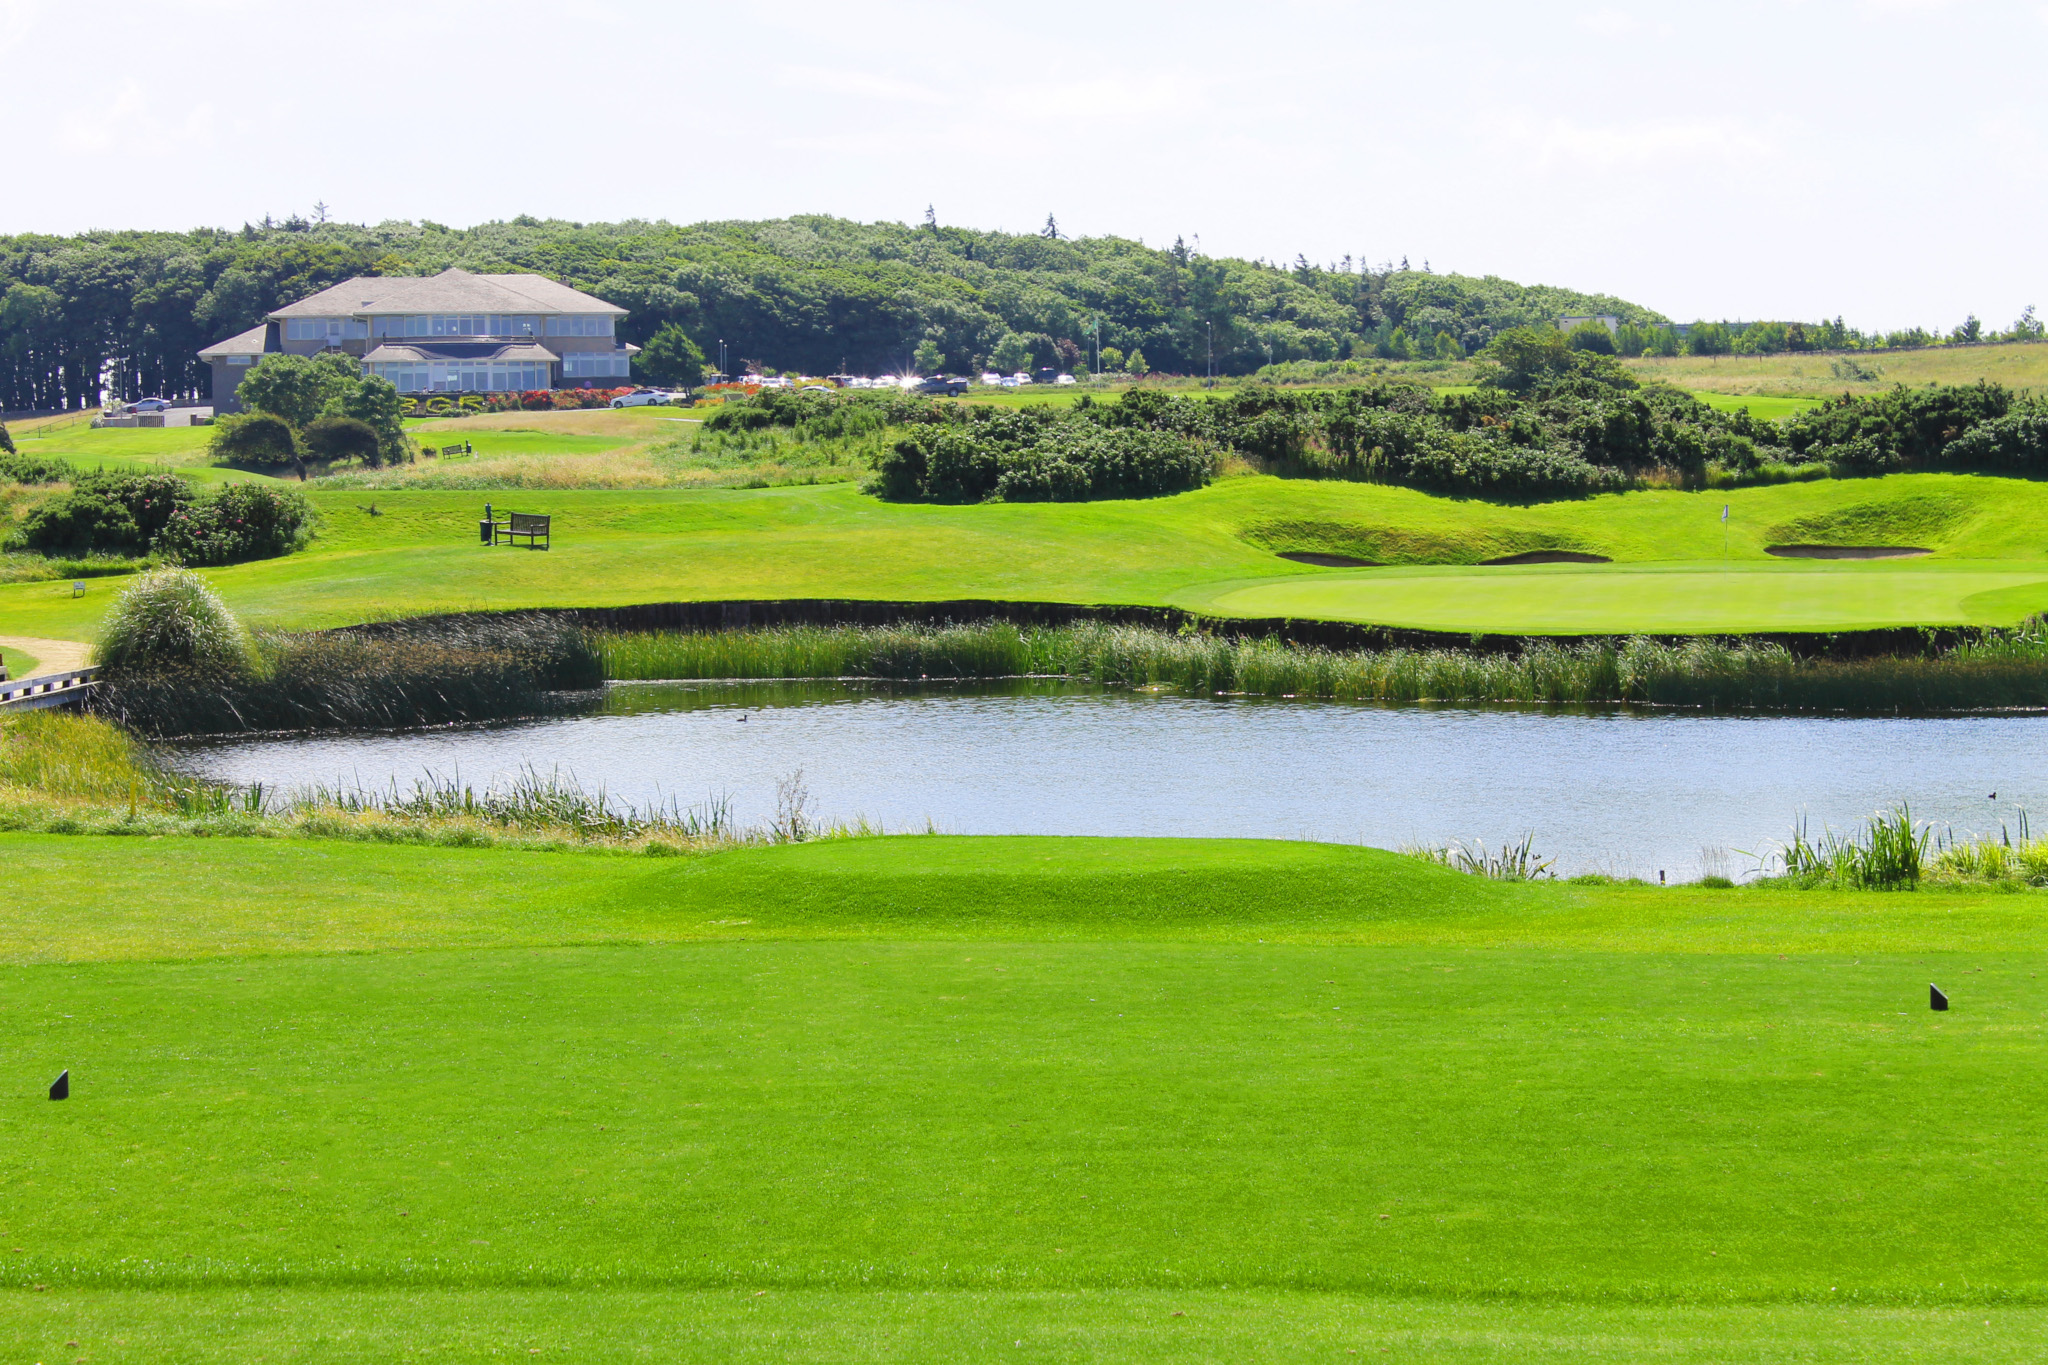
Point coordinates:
[[2019, 365], [680, 457], [919, 1099]]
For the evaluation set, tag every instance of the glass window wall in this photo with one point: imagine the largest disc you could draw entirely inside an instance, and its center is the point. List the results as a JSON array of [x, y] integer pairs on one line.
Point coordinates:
[[596, 364], [325, 329], [463, 376], [460, 325], [580, 325]]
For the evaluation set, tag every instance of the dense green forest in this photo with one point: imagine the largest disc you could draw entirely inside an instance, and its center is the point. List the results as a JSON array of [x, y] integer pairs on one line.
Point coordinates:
[[815, 294]]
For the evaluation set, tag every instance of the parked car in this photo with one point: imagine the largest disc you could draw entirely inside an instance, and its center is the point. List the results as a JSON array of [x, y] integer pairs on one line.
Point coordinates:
[[1046, 375], [1065, 379], [940, 384], [648, 398], [149, 405], [1021, 377], [991, 377]]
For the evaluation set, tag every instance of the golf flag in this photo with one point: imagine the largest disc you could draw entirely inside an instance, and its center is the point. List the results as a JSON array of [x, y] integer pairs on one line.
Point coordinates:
[[1724, 511]]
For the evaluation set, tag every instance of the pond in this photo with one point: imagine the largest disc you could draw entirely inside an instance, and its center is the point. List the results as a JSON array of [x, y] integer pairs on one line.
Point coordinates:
[[1627, 793]]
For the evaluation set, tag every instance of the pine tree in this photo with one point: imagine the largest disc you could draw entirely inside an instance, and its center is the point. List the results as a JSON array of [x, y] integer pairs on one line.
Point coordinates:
[[931, 218], [1052, 229]]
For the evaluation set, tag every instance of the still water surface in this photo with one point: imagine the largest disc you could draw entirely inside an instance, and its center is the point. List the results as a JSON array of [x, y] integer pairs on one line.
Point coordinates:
[[1625, 793]]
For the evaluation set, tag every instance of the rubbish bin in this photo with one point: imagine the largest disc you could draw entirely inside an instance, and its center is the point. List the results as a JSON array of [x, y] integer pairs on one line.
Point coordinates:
[[484, 531]]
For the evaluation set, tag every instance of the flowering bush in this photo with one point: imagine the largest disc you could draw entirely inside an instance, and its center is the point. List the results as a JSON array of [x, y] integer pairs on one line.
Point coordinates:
[[243, 521]]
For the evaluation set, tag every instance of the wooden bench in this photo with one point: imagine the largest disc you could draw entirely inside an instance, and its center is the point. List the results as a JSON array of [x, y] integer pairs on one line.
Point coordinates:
[[533, 528]]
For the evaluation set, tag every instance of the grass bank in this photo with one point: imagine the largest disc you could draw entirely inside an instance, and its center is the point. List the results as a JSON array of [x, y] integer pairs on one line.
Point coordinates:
[[69, 774]]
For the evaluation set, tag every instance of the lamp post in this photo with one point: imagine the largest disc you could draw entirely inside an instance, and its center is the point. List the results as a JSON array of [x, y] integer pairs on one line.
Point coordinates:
[[1212, 356]]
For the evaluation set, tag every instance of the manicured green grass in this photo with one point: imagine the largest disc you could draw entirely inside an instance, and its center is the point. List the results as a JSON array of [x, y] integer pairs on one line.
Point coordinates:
[[747, 1325], [80, 442], [1763, 407], [922, 1098], [19, 664], [1589, 599], [419, 553]]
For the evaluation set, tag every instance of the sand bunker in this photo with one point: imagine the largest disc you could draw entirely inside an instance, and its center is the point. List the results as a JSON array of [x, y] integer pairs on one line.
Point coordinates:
[[1845, 551], [1329, 561], [1550, 557]]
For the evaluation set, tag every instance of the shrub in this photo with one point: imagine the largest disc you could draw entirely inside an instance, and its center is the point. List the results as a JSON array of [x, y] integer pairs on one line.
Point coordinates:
[[6, 441], [1032, 457], [15, 468], [106, 514], [170, 620], [80, 524], [243, 521], [254, 438], [344, 438], [2018, 441]]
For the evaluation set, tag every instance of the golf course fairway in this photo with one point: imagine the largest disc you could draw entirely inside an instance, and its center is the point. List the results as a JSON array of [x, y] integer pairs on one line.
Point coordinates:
[[1668, 599], [931, 1098], [1676, 565]]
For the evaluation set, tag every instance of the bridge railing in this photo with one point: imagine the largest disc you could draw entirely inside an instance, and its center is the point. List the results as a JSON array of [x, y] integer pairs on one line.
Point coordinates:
[[50, 689]]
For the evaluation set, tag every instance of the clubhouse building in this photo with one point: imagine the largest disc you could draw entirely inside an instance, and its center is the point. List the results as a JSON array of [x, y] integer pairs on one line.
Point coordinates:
[[448, 333]]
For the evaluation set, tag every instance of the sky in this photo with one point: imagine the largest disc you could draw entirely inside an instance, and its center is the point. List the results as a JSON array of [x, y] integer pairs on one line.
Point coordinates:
[[1881, 160]]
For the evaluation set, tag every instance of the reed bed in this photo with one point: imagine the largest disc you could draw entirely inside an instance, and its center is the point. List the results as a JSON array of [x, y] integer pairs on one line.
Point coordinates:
[[2001, 672], [430, 673]]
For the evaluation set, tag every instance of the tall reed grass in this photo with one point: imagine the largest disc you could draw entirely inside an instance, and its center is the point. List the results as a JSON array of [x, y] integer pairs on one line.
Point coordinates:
[[1888, 854], [429, 673], [1999, 673]]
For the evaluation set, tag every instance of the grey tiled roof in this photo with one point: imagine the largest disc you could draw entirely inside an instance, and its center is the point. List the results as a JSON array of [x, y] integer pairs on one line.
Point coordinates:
[[451, 291], [245, 343]]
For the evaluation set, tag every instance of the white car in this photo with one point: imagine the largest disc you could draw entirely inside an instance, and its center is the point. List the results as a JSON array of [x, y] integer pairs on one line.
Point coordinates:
[[1022, 376], [647, 398], [991, 377], [1066, 379], [149, 405]]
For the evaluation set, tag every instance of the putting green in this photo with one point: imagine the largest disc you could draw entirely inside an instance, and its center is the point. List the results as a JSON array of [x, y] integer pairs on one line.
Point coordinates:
[[1576, 599]]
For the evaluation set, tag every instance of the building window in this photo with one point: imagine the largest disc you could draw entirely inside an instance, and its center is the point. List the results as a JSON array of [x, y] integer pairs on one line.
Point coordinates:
[[580, 325], [460, 325], [462, 376], [595, 364], [241, 360], [325, 329]]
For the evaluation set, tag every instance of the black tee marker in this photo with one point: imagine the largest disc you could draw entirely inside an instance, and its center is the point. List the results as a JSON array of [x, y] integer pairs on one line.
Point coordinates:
[[60, 1089], [1935, 999]]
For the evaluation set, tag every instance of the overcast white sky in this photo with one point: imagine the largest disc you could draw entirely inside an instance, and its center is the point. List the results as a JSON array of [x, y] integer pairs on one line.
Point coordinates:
[[1881, 159]]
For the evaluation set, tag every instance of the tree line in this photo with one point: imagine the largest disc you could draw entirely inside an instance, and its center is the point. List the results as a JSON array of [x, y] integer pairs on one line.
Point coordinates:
[[121, 314]]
